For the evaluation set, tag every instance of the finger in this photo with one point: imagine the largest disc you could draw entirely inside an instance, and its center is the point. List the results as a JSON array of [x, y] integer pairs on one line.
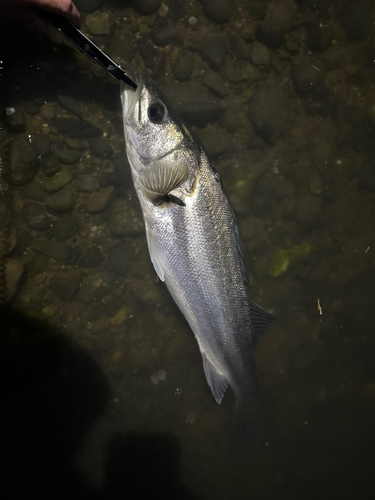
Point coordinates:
[[65, 8]]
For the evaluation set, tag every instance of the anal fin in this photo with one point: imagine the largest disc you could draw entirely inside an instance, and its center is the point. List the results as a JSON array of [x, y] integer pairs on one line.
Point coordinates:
[[215, 380]]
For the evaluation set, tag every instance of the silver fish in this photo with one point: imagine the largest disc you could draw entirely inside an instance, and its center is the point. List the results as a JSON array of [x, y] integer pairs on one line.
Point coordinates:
[[193, 238]]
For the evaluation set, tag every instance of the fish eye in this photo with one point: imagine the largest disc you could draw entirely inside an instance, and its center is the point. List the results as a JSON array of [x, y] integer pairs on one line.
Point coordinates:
[[157, 112]]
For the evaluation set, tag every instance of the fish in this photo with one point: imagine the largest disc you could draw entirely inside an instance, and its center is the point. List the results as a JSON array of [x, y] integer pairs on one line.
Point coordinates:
[[193, 238]]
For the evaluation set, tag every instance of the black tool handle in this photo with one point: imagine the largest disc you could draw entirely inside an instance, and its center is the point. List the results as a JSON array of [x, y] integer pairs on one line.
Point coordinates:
[[84, 44]]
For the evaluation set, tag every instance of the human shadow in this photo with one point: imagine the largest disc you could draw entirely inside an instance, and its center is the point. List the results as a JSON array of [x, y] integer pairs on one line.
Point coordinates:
[[51, 392]]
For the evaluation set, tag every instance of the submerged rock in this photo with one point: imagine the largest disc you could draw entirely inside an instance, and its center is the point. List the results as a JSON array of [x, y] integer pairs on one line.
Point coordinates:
[[281, 260], [98, 23], [120, 258], [65, 284], [99, 201], [13, 273], [62, 201], [35, 216], [65, 228], [146, 7], [123, 219], [93, 257], [212, 50], [54, 249], [219, 11], [355, 19], [183, 66], [59, 180], [78, 129]]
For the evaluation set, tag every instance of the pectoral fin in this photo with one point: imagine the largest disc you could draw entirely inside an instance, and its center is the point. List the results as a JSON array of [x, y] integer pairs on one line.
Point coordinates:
[[162, 178], [215, 380]]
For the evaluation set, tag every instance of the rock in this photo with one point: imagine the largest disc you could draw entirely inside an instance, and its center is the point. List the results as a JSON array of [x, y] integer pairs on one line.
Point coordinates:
[[176, 9], [36, 191], [53, 249], [50, 165], [355, 18], [306, 76], [281, 260], [230, 120], [166, 35], [24, 160], [65, 228], [146, 7], [59, 180], [279, 19], [266, 194], [121, 315], [77, 144], [99, 201], [365, 173], [268, 113], [240, 48], [85, 294], [93, 257], [251, 73], [100, 148], [332, 192], [183, 66], [215, 83], [48, 112], [98, 23], [179, 345], [88, 5], [67, 156], [257, 9], [120, 258], [219, 11], [233, 72], [70, 104], [62, 201], [43, 144], [364, 139], [66, 284], [35, 216], [216, 140], [308, 207], [87, 182], [260, 55], [15, 122], [212, 50], [123, 219], [32, 107], [194, 103], [78, 129], [255, 141], [13, 273], [147, 50]]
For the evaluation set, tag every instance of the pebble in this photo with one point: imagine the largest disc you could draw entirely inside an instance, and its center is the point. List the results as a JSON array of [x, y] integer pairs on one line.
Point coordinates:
[[233, 72], [183, 66], [120, 258], [24, 159], [154, 379], [93, 257], [87, 182], [35, 216], [86, 294], [230, 121], [36, 191], [214, 82], [281, 260], [48, 312], [77, 144], [50, 165], [15, 122], [212, 50], [216, 140], [59, 180], [100, 148], [65, 228], [98, 23], [62, 201], [268, 113], [147, 50], [260, 54], [219, 11], [239, 46], [99, 201], [146, 7], [78, 129], [308, 207], [13, 273], [278, 21], [67, 156], [70, 104], [257, 9], [43, 144], [166, 35], [251, 73], [123, 219], [54, 249], [48, 112], [355, 18], [176, 9], [306, 76], [66, 284], [119, 317]]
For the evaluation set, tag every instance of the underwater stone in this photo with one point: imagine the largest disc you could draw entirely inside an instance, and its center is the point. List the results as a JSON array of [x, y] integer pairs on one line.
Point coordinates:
[[67, 156], [214, 82], [166, 35], [355, 19], [306, 76], [13, 273], [50, 165], [62, 201], [100, 148], [65, 285], [281, 260], [59, 180], [98, 23], [93, 257], [119, 258], [54, 249], [99, 201], [65, 228], [212, 50], [87, 182], [183, 66], [216, 140], [219, 11], [78, 129], [35, 216], [123, 219], [146, 7], [70, 104]]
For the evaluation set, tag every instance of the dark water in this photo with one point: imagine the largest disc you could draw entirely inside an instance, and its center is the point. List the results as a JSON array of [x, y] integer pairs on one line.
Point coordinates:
[[103, 391]]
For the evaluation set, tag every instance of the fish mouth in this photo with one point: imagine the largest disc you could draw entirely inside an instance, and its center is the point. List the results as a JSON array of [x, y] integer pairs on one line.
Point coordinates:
[[131, 98]]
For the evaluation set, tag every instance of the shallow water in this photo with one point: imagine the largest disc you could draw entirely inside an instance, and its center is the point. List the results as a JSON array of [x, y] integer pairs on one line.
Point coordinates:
[[103, 387]]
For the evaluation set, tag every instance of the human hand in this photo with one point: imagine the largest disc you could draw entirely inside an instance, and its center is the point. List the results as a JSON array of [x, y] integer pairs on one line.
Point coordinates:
[[22, 9]]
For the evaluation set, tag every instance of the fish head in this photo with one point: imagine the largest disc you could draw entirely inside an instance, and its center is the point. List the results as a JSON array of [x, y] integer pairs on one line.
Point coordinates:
[[151, 130]]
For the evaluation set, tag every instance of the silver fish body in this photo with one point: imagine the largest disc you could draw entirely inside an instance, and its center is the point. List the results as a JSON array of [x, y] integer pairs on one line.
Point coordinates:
[[193, 238]]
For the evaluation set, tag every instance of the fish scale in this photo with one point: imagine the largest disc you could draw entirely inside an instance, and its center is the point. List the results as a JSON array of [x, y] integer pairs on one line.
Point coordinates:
[[194, 244]]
